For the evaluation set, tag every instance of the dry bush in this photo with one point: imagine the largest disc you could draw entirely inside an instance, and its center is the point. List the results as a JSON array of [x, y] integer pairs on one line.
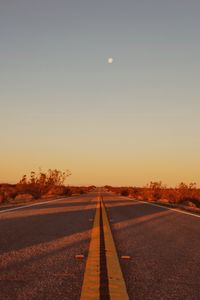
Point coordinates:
[[35, 186], [2, 197], [82, 189], [42, 183], [59, 191], [24, 197], [124, 192], [7, 192], [186, 195]]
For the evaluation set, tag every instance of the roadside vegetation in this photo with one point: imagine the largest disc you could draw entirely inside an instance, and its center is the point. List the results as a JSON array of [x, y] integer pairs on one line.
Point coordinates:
[[41, 185], [184, 195]]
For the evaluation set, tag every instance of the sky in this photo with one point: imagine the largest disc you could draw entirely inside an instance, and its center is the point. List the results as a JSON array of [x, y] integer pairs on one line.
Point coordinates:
[[63, 106]]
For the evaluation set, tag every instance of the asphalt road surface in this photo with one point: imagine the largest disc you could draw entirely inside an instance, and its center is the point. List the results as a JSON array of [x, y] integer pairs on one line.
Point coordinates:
[[38, 245]]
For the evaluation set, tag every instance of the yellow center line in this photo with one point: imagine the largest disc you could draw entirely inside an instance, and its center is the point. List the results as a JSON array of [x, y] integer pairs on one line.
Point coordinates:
[[117, 286], [91, 281]]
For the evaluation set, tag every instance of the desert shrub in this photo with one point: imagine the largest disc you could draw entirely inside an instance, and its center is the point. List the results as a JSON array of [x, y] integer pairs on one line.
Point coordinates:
[[135, 192], [91, 188], [185, 194], [125, 192], [145, 194], [30, 188], [59, 191], [2, 197], [188, 200], [7, 192], [42, 183], [156, 189], [82, 192], [11, 193], [156, 195], [24, 197], [172, 196], [81, 189]]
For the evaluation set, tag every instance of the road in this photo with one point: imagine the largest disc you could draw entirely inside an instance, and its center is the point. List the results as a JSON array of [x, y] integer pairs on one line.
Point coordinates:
[[39, 244]]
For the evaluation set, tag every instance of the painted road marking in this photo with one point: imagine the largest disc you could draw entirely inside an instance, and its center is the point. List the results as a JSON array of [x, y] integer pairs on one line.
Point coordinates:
[[117, 287], [34, 204], [104, 283], [91, 281], [168, 208], [79, 256], [103, 278], [125, 257]]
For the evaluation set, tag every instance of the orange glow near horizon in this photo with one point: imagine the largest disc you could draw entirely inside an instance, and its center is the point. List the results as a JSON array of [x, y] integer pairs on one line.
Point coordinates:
[[114, 172]]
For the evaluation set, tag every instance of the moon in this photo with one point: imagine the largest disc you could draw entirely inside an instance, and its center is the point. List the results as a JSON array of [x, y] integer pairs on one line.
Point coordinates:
[[110, 60]]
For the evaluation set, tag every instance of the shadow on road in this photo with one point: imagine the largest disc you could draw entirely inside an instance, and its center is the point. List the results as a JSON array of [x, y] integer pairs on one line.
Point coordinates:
[[31, 227]]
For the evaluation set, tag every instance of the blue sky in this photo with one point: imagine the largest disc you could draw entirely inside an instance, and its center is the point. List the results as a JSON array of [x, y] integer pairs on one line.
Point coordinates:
[[63, 106]]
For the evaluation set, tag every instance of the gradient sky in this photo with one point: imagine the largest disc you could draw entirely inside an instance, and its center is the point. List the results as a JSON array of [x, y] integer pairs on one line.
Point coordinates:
[[63, 106]]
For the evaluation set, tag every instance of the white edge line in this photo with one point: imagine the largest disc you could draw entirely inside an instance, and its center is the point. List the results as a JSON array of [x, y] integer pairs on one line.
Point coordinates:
[[168, 208], [34, 204]]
